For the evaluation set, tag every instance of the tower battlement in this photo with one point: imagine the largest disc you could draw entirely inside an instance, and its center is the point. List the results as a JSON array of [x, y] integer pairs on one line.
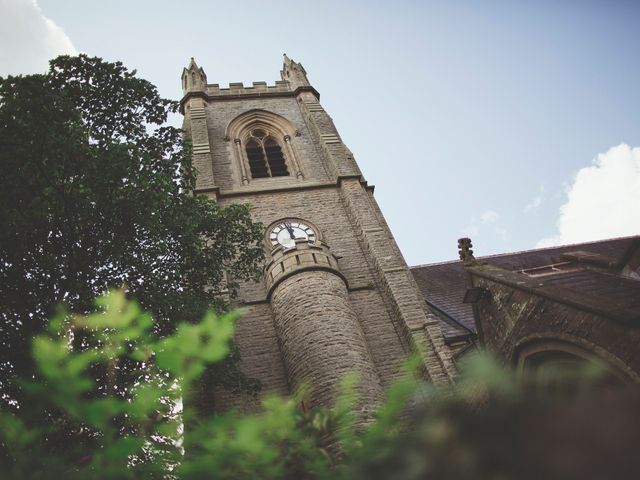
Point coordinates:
[[293, 80], [238, 88]]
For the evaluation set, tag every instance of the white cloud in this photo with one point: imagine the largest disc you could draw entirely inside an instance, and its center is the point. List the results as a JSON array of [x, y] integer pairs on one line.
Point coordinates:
[[487, 223], [501, 232], [28, 39], [534, 204], [604, 200], [489, 216], [471, 231]]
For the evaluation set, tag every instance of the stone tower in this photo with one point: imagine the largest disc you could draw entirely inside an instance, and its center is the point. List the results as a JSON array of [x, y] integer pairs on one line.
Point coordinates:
[[337, 295]]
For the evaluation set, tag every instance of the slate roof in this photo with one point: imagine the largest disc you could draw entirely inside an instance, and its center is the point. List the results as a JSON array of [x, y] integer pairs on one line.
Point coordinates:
[[625, 292], [443, 287]]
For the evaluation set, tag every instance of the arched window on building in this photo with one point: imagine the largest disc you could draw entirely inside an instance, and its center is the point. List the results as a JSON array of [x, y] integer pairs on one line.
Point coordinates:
[[561, 367], [263, 146], [265, 155]]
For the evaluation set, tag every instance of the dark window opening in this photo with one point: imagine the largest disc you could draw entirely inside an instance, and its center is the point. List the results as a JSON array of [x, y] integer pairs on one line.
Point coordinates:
[[275, 158], [265, 156], [256, 158]]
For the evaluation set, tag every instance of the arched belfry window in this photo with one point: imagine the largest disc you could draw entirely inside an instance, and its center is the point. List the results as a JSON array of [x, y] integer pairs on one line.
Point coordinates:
[[264, 146], [265, 155]]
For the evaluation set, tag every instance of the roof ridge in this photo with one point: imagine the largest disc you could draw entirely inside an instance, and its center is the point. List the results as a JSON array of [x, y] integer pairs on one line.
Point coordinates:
[[593, 242], [435, 263]]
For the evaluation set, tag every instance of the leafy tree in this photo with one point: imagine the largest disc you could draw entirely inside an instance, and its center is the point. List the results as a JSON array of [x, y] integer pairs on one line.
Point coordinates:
[[96, 193], [487, 426]]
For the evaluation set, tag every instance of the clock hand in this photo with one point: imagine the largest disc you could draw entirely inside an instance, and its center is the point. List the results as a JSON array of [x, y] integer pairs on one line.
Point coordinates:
[[290, 230]]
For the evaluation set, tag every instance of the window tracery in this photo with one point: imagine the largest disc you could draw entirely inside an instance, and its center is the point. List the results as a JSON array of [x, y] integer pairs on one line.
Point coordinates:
[[265, 155], [263, 146]]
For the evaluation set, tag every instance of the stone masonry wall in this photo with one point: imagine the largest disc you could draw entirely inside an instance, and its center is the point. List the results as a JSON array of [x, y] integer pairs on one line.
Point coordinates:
[[321, 337], [226, 169], [378, 297], [396, 281], [258, 344], [324, 208], [512, 318]]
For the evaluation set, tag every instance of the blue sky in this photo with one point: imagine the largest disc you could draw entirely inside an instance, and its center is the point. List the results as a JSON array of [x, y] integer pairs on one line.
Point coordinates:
[[473, 118]]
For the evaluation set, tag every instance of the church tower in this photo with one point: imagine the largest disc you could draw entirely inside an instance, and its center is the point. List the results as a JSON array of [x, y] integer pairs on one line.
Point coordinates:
[[337, 295]]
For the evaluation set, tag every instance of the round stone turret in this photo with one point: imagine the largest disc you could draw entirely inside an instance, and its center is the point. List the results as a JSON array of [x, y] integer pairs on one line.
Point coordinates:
[[305, 256], [318, 329]]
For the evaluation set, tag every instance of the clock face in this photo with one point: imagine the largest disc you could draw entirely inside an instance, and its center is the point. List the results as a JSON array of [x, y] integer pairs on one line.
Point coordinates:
[[286, 233]]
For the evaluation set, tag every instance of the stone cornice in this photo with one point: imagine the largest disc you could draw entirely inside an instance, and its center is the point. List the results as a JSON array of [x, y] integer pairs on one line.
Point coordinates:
[[261, 301], [219, 193]]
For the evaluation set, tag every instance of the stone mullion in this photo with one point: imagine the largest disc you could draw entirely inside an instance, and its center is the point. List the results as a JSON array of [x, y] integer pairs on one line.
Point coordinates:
[[265, 157]]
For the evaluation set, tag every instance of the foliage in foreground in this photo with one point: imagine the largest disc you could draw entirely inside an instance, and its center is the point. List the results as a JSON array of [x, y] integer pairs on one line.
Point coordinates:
[[488, 426], [97, 192]]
